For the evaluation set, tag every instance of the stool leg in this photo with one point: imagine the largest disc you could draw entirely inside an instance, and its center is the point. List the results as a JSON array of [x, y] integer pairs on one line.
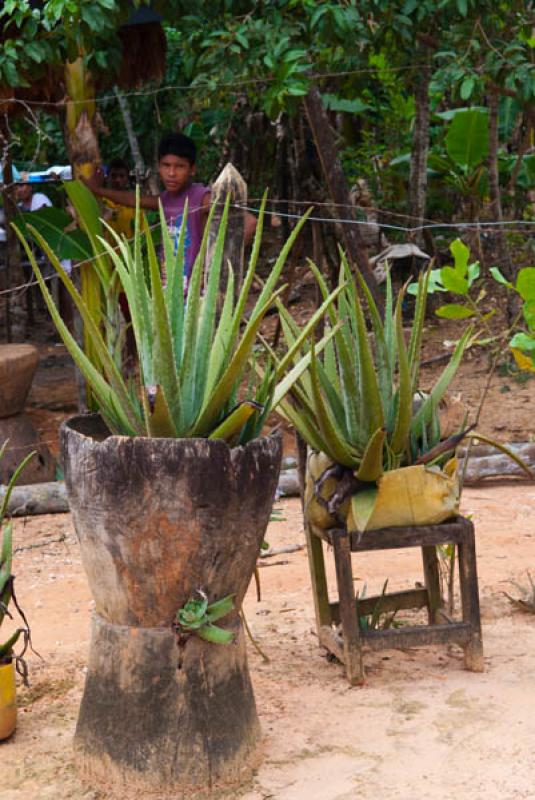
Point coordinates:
[[473, 651], [432, 582], [348, 612], [318, 578]]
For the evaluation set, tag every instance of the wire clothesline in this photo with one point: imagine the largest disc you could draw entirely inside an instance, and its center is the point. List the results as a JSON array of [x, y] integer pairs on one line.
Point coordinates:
[[477, 225], [207, 85]]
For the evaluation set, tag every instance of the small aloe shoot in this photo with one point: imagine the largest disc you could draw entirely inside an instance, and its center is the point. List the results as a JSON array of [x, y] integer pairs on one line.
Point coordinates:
[[198, 617]]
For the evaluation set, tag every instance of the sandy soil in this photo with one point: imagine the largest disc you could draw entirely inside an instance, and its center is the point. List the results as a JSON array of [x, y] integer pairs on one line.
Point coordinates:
[[421, 726]]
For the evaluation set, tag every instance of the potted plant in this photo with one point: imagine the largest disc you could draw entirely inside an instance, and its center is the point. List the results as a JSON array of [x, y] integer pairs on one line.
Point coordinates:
[[171, 488], [8, 658]]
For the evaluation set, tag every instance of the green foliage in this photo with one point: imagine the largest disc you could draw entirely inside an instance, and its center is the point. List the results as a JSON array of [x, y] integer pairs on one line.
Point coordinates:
[[198, 617], [467, 140]]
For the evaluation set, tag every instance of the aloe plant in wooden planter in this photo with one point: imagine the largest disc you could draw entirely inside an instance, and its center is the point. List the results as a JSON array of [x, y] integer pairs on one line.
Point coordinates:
[[171, 489]]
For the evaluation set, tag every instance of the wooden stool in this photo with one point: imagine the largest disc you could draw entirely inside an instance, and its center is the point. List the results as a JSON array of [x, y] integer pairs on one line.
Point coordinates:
[[347, 644]]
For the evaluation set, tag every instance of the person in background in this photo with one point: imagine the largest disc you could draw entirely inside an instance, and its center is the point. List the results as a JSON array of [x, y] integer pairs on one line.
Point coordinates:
[[120, 217], [28, 200], [176, 167]]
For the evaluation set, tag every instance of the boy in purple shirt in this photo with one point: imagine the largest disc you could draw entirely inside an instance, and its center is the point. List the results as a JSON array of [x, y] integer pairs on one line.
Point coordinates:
[[176, 167]]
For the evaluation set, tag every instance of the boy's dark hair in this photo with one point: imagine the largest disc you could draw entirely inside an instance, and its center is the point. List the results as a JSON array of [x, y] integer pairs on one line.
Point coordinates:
[[177, 144], [118, 163]]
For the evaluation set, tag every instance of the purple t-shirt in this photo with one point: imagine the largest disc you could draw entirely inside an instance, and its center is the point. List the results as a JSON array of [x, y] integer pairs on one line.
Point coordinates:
[[173, 208]]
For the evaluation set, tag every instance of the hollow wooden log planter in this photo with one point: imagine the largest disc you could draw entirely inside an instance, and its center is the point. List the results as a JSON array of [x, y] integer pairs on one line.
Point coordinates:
[[157, 520]]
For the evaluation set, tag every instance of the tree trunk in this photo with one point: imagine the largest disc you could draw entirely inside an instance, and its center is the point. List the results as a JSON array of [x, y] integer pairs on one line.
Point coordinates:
[[16, 312], [420, 147], [337, 185], [82, 147], [139, 163], [159, 520], [500, 239]]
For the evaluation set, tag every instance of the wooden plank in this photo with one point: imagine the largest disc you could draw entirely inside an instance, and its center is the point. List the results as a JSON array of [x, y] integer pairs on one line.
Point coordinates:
[[393, 601], [318, 579], [350, 626], [432, 581], [417, 636], [417, 536], [473, 653]]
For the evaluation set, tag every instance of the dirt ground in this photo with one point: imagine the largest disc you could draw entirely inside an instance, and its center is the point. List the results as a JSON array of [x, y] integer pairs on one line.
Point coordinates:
[[421, 726]]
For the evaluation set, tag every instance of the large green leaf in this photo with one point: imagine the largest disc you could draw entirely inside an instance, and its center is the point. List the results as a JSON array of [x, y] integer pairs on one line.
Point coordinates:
[[51, 223], [467, 140]]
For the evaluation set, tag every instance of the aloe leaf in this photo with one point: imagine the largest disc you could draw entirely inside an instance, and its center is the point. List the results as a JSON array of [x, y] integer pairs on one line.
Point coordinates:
[[7, 647], [220, 350], [404, 396], [371, 397], [415, 343], [209, 310], [363, 505], [10, 486], [476, 436], [160, 421], [422, 416], [371, 465], [383, 349], [99, 386], [286, 384], [115, 378], [215, 635], [338, 449], [174, 290], [308, 328], [211, 411], [304, 423], [231, 426], [220, 608], [163, 341]]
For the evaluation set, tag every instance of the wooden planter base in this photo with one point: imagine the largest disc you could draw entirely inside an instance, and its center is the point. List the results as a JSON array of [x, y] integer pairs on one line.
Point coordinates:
[[159, 520], [162, 717]]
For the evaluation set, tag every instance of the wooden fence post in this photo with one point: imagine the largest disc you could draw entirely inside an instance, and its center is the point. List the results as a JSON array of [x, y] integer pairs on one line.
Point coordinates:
[[229, 182]]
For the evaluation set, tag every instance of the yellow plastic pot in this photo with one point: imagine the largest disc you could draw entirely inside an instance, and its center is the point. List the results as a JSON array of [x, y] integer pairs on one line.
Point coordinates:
[[8, 700], [417, 495]]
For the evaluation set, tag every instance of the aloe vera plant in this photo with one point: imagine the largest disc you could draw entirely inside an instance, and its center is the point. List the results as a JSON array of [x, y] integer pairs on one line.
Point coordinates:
[[192, 359], [360, 403]]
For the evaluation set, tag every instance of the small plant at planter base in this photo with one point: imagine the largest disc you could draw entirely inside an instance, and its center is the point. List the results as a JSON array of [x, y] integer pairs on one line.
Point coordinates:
[[198, 617]]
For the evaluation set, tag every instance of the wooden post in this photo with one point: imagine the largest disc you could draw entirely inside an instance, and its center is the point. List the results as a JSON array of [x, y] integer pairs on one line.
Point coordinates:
[[158, 520], [229, 182], [337, 184]]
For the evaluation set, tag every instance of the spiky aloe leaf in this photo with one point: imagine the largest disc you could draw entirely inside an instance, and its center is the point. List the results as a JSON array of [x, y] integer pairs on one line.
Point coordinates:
[[363, 505], [371, 465], [423, 415], [404, 397], [230, 428]]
